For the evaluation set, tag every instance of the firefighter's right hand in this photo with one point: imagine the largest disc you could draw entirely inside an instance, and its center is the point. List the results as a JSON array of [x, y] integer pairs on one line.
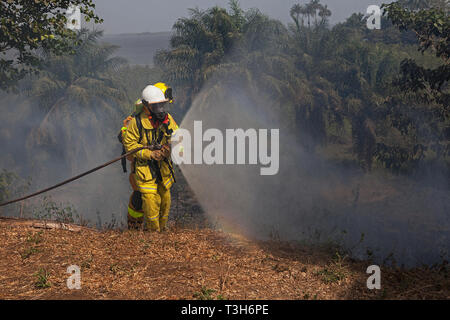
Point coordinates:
[[165, 150], [156, 155]]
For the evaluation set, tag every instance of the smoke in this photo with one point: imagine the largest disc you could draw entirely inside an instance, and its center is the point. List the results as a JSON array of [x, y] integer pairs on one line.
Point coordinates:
[[72, 141], [374, 215]]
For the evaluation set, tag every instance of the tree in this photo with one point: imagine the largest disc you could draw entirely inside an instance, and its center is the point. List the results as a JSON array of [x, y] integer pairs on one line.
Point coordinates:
[[296, 11], [417, 5], [432, 28], [310, 11], [237, 13], [324, 14], [198, 45], [70, 88], [27, 26]]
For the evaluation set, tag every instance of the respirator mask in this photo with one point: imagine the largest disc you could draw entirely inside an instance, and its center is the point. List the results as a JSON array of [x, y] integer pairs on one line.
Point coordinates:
[[158, 110]]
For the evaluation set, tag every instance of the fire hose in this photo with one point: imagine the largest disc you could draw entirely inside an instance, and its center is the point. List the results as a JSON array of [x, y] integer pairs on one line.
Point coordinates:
[[78, 176]]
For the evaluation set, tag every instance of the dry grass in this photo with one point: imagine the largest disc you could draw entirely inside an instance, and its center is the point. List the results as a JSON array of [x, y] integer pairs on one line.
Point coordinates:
[[190, 264]]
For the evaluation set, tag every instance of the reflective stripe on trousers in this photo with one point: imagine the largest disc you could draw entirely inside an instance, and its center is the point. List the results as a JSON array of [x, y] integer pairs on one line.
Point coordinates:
[[135, 214]]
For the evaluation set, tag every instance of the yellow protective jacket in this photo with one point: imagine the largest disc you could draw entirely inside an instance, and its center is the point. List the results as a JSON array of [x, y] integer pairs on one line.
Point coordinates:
[[145, 173]]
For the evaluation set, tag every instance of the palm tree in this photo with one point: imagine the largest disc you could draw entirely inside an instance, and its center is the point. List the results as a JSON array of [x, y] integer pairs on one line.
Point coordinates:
[[310, 11], [74, 94], [296, 11], [324, 14], [199, 44]]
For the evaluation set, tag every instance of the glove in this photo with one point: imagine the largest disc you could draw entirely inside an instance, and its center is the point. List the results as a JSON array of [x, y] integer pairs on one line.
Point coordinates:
[[156, 155], [165, 151]]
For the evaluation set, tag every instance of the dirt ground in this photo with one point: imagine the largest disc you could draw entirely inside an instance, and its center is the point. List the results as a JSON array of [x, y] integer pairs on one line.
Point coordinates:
[[190, 264]]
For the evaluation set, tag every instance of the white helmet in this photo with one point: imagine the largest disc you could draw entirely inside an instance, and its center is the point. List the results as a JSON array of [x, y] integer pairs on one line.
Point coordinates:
[[153, 94]]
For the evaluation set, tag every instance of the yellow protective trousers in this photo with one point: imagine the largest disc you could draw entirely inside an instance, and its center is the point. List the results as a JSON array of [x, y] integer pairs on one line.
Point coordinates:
[[156, 208]]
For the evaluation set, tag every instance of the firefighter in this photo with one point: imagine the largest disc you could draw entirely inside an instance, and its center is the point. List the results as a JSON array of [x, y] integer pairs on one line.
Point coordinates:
[[152, 170]]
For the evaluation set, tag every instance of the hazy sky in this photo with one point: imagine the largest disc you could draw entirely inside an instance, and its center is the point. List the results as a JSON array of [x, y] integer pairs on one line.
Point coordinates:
[[134, 16]]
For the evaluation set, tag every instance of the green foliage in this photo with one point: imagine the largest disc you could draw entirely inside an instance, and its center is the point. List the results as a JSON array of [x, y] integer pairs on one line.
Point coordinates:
[[32, 241], [313, 12], [51, 210], [35, 238], [422, 113], [76, 93], [206, 294], [27, 252], [6, 181], [336, 271], [198, 43], [430, 21], [12, 185], [27, 26], [331, 275], [42, 279], [81, 78], [334, 85]]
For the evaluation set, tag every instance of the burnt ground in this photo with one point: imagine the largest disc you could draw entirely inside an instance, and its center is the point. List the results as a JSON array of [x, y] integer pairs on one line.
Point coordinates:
[[190, 264]]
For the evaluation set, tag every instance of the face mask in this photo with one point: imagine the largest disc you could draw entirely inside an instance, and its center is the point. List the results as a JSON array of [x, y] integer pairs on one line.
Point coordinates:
[[159, 110]]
